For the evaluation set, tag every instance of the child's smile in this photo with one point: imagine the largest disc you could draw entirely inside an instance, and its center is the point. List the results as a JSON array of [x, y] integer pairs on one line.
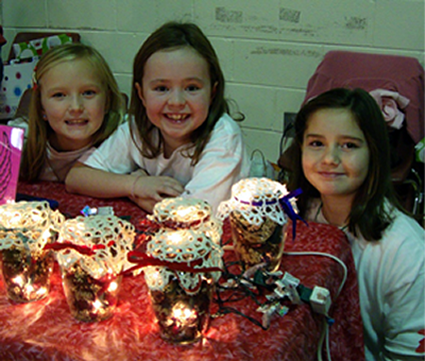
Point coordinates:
[[176, 92], [335, 154], [74, 102]]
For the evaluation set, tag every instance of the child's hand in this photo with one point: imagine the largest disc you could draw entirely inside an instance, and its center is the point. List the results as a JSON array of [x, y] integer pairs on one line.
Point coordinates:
[[147, 190]]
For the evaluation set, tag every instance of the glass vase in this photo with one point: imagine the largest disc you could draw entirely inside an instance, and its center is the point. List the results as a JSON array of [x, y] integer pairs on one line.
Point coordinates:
[[182, 318], [258, 243], [26, 276], [90, 299]]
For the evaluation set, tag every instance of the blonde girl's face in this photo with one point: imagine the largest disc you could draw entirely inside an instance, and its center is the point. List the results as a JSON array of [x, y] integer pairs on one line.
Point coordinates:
[[335, 154], [74, 102], [176, 91]]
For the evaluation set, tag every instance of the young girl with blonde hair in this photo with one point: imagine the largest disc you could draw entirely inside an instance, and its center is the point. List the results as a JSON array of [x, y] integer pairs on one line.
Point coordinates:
[[75, 105]]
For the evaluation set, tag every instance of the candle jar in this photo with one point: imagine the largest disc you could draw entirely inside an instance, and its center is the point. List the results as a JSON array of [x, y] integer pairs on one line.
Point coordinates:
[[258, 221], [256, 244], [187, 213], [25, 230], [187, 265], [26, 276], [182, 317], [90, 299], [91, 254]]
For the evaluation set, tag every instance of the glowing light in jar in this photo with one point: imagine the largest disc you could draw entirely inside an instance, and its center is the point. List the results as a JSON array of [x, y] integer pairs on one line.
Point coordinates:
[[182, 314], [184, 212], [41, 291], [175, 238], [29, 288], [97, 305], [113, 286], [18, 280]]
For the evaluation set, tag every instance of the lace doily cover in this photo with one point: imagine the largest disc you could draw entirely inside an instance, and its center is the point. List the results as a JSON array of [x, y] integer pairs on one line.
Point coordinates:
[[110, 237], [28, 225], [194, 248], [188, 213], [256, 199]]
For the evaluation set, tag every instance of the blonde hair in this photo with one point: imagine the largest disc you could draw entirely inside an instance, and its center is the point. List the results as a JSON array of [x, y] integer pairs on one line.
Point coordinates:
[[34, 155]]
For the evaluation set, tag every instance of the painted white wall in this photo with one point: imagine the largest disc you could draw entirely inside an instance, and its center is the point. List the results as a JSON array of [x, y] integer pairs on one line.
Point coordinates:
[[268, 48]]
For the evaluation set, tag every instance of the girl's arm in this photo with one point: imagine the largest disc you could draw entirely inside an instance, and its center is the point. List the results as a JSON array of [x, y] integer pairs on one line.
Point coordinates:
[[142, 189], [98, 183]]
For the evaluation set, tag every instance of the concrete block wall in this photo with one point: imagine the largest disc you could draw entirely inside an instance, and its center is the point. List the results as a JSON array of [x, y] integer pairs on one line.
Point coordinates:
[[268, 48]]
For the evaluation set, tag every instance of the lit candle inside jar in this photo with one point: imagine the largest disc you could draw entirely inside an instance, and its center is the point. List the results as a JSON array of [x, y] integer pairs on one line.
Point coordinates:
[[182, 213], [91, 254], [25, 229], [181, 290], [182, 316]]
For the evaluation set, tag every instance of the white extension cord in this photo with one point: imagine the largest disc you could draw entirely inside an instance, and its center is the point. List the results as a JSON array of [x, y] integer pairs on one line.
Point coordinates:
[[320, 300]]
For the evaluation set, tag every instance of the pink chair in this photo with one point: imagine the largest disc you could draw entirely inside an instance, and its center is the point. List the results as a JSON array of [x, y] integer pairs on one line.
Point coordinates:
[[401, 74]]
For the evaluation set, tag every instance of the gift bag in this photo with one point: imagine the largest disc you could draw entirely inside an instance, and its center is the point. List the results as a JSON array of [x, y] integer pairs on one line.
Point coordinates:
[[37, 47], [17, 78], [18, 72], [11, 143]]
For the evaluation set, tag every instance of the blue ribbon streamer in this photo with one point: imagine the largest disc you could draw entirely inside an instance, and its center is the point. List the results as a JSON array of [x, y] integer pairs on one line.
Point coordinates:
[[286, 206], [289, 210]]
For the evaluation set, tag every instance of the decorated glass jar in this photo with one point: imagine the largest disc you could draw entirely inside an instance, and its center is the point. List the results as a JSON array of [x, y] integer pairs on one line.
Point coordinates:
[[181, 284], [258, 217], [186, 213], [92, 252], [26, 228], [182, 262]]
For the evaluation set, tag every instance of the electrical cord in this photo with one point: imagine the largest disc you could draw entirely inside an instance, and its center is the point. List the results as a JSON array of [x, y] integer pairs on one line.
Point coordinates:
[[240, 280], [344, 267], [325, 332]]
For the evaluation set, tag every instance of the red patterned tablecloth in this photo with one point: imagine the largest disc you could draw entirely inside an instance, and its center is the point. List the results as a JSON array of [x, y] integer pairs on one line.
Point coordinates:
[[45, 330]]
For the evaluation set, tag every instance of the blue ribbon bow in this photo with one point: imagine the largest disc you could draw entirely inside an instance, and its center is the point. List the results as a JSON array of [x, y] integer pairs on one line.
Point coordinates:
[[286, 206]]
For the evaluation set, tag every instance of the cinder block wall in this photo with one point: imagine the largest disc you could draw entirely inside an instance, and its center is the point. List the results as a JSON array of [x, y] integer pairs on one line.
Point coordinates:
[[268, 48]]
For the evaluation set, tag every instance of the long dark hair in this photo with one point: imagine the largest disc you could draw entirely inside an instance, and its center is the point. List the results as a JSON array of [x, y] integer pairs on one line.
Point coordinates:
[[368, 214], [168, 36]]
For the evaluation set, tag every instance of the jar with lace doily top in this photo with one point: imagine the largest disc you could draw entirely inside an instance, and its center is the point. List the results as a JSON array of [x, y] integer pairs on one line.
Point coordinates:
[[92, 252], [26, 228], [185, 265], [258, 221], [184, 213], [182, 261]]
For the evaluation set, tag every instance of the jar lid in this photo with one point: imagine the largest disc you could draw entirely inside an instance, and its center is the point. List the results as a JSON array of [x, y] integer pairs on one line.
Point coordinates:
[[256, 198], [28, 224], [181, 210], [107, 238], [187, 213], [191, 248]]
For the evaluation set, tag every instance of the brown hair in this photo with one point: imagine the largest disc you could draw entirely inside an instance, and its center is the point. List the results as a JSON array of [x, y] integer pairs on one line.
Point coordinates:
[[368, 215], [168, 36]]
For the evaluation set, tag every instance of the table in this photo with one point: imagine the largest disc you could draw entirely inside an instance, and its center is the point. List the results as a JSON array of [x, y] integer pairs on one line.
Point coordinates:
[[45, 330]]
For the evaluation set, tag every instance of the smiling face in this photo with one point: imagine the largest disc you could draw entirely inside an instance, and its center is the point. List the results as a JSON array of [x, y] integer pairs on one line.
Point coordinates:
[[73, 100], [176, 91], [335, 154]]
